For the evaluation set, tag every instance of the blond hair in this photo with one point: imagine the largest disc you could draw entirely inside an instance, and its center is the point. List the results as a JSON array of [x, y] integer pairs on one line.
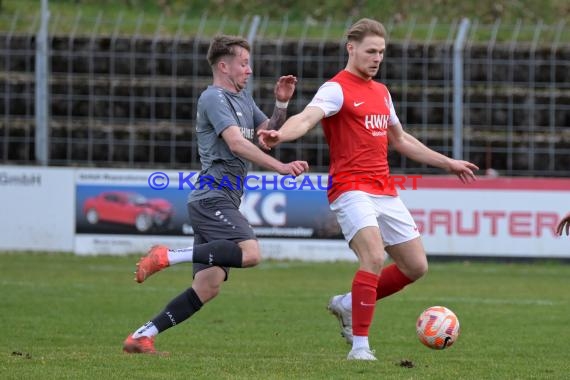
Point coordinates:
[[365, 27]]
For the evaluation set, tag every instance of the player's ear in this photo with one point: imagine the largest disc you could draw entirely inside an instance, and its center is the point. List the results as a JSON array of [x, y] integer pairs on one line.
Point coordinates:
[[222, 66]]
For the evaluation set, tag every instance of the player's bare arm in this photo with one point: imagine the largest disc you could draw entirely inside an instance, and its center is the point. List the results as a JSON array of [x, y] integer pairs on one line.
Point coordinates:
[[564, 225], [412, 148], [295, 127], [244, 148]]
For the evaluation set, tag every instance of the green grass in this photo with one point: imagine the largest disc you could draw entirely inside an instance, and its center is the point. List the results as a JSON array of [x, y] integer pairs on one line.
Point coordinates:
[[406, 20], [64, 317], [403, 10]]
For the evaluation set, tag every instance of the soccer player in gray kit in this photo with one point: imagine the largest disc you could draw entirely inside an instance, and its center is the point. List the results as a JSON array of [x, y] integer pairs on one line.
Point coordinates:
[[227, 121]]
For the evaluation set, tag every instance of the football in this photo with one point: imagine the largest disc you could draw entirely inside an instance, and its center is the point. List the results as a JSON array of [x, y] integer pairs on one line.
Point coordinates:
[[437, 327]]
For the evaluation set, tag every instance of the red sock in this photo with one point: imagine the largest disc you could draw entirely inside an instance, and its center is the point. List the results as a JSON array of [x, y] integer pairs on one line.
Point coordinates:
[[363, 301], [391, 280]]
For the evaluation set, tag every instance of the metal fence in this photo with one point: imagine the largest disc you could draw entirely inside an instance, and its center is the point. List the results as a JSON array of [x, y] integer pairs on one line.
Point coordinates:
[[123, 92]]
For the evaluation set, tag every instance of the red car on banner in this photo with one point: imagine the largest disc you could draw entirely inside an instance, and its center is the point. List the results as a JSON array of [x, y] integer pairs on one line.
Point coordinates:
[[128, 208]]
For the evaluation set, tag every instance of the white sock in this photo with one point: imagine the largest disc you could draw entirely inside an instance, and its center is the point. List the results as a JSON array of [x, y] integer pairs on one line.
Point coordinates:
[[346, 301], [184, 255], [360, 342], [148, 330]]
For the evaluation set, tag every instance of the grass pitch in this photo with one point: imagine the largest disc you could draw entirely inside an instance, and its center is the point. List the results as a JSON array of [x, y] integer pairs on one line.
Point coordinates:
[[65, 317]]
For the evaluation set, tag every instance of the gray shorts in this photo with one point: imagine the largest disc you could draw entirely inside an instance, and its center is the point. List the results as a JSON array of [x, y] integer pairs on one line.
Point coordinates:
[[217, 219]]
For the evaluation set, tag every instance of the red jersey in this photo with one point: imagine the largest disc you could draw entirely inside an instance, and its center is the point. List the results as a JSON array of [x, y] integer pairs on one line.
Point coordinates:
[[357, 135]]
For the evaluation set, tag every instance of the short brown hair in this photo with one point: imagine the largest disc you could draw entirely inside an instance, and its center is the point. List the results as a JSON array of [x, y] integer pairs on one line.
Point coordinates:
[[224, 45], [365, 27]]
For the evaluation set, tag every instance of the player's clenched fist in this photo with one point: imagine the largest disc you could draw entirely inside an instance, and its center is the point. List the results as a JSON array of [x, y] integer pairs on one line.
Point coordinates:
[[294, 168], [268, 138]]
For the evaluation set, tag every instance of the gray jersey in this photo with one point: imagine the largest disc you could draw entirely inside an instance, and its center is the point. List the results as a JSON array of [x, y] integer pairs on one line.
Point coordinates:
[[222, 171]]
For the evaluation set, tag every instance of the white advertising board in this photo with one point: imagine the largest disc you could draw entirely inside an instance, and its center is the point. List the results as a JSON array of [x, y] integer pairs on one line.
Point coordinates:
[[505, 217], [47, 209], [37, 209]]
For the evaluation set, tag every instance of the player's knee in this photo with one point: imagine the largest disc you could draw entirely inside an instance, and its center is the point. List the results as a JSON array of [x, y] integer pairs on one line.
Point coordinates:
[[251, 258], [251, 254], [418, 270], [372, 262], [378, 260]]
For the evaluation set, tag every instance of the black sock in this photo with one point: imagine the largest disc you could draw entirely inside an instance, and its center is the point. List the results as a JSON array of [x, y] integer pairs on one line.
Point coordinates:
[[223, 253], [178, 310]]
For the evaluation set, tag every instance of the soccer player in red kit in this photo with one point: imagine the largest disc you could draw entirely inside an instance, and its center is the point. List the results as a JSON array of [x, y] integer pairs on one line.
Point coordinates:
[[359, 123]]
